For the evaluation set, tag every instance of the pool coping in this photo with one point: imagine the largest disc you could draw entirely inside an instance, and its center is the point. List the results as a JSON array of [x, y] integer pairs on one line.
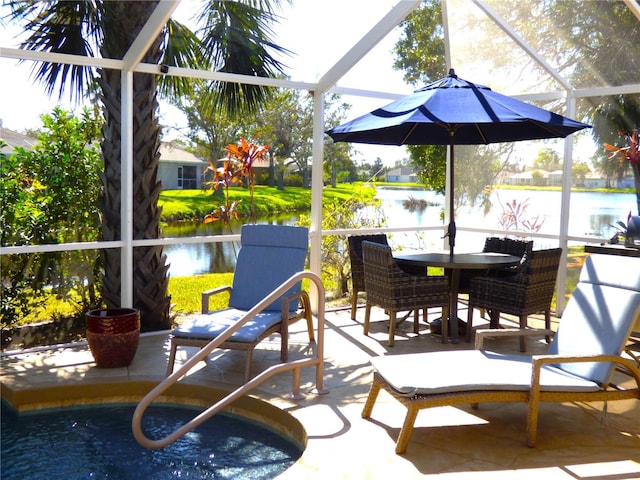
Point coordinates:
[[131, 392]]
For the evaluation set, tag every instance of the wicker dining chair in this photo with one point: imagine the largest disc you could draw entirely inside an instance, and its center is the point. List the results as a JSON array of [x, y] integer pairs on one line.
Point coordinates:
[[510, 246], [523, 293], [357, 267], [395, 290]]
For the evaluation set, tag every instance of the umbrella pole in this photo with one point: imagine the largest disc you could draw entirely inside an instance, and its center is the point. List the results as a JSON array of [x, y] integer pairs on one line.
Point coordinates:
[[451, 231]]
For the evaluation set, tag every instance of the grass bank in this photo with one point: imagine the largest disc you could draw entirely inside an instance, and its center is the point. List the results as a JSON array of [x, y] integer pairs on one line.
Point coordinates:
[[195, 204]]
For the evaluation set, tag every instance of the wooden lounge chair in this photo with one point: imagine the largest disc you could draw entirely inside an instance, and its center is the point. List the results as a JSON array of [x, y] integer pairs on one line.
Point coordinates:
[[268, 256], [579, 365]]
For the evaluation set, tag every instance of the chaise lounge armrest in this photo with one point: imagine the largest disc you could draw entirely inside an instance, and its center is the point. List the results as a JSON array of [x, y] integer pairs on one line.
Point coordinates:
[[624, 365], [304, 310], [509, 332], [206, 295]]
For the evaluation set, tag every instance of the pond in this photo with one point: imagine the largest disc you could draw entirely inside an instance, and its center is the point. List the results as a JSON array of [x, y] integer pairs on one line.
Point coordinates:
[[592, 215]]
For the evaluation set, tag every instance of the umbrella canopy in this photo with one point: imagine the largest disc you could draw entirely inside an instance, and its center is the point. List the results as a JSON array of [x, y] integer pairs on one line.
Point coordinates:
[[454, 111]]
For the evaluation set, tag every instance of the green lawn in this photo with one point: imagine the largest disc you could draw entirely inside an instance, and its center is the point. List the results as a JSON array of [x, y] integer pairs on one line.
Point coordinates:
[[194, 204]]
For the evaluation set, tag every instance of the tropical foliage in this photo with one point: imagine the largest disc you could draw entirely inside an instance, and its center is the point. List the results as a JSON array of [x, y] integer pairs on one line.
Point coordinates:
[[357, 211], [237, 168], [628, 156], [232, 36], [588, 43], [49, 195]]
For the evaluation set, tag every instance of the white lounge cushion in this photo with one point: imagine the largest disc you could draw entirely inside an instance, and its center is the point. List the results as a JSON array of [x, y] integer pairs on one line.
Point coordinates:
[[210, 325], [470, 370]]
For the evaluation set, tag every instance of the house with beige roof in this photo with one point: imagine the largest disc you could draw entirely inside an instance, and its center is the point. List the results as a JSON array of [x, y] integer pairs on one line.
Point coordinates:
[[14, 140], [180, 169]]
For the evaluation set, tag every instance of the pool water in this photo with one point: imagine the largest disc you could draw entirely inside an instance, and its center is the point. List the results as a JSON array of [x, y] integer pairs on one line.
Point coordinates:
[[96, 442]]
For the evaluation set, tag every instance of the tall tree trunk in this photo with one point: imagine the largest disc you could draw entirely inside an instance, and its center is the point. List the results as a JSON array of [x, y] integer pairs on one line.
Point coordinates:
[[150, 278]]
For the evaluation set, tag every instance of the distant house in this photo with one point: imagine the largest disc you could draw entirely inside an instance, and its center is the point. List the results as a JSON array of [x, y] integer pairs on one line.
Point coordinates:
[[594, 180], [179, 169], [626, 182], [15, 139], [527, 178], [555, 178], [523, 178], [401, 175]]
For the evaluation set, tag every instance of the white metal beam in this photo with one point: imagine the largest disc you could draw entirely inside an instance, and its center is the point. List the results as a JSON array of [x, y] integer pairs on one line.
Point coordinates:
[[445, 31], [20, 54], [565, 205], [64, 58], [126, 189], [326, 82], [634, 6], [315, 233], [366, 43], [149, 33], [521, 42], [134, 55]]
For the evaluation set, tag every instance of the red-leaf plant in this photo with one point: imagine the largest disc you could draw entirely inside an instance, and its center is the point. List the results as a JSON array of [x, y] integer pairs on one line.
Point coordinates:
[[238, 166], [631, 153]]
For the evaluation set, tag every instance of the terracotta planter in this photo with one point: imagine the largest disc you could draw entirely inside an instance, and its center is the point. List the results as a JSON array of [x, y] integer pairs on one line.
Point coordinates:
[[113, 335]]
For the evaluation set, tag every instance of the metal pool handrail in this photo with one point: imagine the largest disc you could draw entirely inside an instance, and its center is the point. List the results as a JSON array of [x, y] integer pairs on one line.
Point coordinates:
[[317, 359]]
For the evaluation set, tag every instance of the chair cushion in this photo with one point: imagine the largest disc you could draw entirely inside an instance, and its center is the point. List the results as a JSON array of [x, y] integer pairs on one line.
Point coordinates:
[[612, 270], [600, 314], [597, 320], [268, 256], [208, 326], [470, 370]]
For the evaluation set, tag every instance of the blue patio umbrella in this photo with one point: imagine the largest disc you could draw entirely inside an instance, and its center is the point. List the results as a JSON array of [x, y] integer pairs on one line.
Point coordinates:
[[454, 111]]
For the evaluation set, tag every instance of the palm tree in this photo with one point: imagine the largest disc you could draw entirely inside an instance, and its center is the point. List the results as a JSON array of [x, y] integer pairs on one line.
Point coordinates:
[[234, 38]]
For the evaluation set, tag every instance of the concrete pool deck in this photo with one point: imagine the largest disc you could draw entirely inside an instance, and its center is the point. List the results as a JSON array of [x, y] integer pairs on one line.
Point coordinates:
[[575, 440]]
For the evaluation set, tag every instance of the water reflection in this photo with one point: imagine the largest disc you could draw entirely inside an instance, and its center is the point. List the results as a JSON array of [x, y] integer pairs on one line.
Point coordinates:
[[198, 258], [600, 224], [592, 215]]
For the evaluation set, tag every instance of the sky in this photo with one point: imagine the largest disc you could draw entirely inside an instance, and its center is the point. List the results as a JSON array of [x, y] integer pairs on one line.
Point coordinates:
[[319, 32]]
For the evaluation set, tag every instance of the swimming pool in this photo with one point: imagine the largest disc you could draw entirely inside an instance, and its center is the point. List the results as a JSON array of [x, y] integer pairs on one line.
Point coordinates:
[[188, 399], [96, 442]]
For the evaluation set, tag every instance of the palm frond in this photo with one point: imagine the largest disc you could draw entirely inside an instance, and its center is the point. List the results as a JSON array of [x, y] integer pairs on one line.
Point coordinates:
[[68, 27]]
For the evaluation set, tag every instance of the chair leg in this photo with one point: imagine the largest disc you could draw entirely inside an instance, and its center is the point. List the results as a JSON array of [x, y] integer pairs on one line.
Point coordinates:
[[284, 343], [172, 357], [444, 324], [547, 324], [354, 304], [371, 399], [392, 327], [367, 314], [407, 429], [247, 365], [469, 323], [523, 340], [416, 318], [310, 328]]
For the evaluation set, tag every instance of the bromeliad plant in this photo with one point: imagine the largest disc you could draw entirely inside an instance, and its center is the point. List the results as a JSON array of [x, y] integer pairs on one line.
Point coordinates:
[[631, 153], [515, 217], [237, 168]]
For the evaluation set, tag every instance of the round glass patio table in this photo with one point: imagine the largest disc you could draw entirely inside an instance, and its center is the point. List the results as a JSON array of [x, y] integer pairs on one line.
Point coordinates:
[[452, 265]]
